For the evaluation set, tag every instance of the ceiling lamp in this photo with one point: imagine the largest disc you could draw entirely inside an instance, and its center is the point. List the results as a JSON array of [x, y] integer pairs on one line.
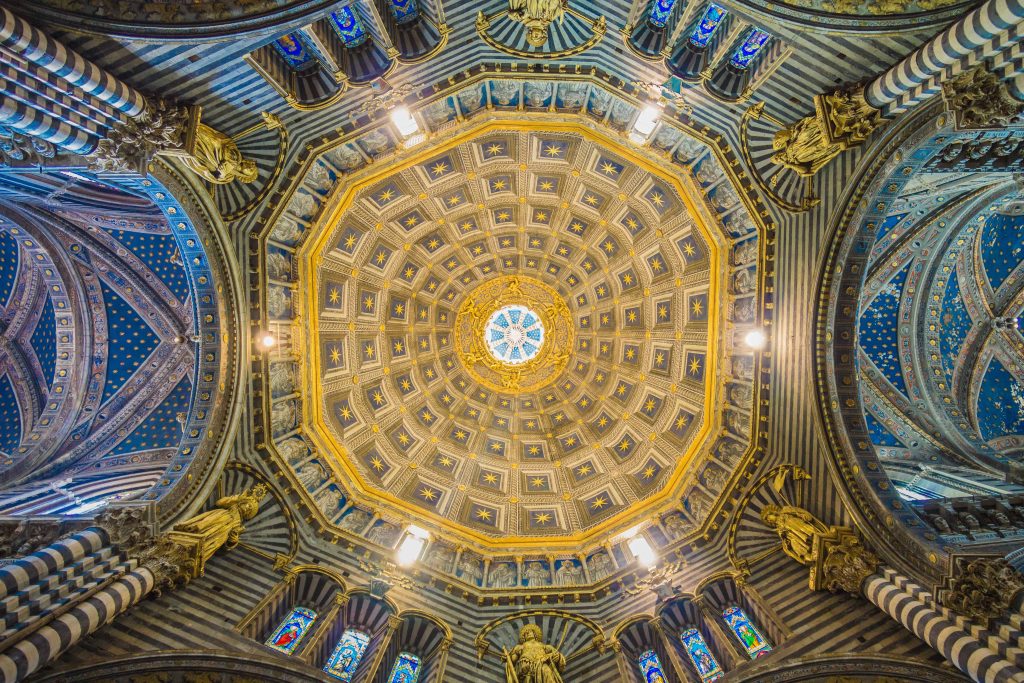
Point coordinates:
[[267, 341], [756, 339], [411, 547], [642, 551], [645, 123], [404, 122]]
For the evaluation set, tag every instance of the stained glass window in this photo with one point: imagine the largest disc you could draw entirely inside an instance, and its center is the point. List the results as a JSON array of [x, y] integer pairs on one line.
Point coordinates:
[[650, 667], [708, 24], [700, 654], [349, 26], [660, 11], [406, 669], [755, 643], [404, 10], [344, 661], [288, 635], [291, 48], [750, 48]]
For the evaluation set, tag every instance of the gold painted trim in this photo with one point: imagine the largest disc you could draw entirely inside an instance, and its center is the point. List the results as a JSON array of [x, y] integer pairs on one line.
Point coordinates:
[[598, 26], [321, 435]]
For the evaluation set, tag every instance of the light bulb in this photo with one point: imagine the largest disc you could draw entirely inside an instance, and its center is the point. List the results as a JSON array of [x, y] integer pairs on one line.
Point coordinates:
[[756, 339]]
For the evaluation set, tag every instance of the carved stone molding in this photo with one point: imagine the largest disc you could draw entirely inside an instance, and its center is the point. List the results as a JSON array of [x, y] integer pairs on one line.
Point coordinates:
[[846, 565], [131, 144]]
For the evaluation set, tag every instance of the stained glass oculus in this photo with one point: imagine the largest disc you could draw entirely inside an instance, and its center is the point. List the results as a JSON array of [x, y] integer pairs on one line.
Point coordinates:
[[753, 642], [514, 334], [750, 48], [406, 669], [708, 24], [700, 654], [344, 661], [650, 667], [660, 12], [291, 631]]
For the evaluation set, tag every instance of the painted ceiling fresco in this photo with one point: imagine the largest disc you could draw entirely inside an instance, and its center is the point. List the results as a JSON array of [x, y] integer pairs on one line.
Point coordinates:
[[114, 402], [938, 344]]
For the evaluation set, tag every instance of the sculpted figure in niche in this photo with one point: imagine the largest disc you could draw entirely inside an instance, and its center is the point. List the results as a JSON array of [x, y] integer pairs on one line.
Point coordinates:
[[709, 172], [599, 102], [675, 525], [282, 380], [537, 574], [384, 534], [569, 574], [286, 231], [440, 557], [736, 422], [572, 95], [745, 252], [282, 418], [743, 367], [346, 158], [536, 95], [714, 477], [277, 302], [311, 474], [355, 521], [796, 527], [970, 521], [472, 571], [532, 661], [1000, 518], [745, 281], [730, 451], [375, 142], [328, 501], [504, 91], [502, 575], [741, 396], [600, 566], [745, 310], [293, 449], [278, 266], [469, 99]]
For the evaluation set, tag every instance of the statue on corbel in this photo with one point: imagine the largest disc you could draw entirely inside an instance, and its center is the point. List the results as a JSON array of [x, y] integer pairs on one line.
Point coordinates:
[[838, 560], [175, 130], [841, 120]]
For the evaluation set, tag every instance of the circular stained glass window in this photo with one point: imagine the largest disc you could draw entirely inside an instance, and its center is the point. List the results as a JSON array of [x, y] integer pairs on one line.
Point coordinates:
[[514, 334]]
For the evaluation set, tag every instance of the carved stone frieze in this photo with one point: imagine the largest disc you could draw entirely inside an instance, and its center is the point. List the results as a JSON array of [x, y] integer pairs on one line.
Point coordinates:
[[979, 99], [17, 149]]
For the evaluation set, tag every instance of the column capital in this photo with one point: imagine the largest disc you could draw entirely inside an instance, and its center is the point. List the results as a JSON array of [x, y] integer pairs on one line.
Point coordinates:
[[984, 589], [978, 99]]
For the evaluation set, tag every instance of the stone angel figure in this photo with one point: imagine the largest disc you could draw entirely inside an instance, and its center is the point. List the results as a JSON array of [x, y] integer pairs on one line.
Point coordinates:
[[533, 661], [536, 15]]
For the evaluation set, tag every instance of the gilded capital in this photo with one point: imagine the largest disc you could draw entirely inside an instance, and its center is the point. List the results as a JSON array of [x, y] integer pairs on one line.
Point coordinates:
[[978, 99]]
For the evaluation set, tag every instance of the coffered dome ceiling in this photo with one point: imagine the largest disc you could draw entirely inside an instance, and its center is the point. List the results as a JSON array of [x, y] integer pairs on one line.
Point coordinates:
[[513, 334]]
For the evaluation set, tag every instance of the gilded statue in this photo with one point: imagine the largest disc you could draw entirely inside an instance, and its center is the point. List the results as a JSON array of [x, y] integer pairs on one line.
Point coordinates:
[[533, 661], [223, 525], [536, 16], [797, 528], [216, 158], [802, 147]]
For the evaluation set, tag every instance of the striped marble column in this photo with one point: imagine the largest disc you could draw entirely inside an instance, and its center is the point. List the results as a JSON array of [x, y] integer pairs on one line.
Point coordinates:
[[983, 655], [21, 573], [57, 125], [986, 31], [48, 642], [18, 36]]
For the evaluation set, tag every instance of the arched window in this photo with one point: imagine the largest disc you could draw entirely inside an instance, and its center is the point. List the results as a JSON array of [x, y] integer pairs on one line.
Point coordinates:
[[708, 24], [750, 48], [406, 669], [660, 11], [291, 47], [291, 631], [700, 654], [344, 661], [650, 667], [749, 636]]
